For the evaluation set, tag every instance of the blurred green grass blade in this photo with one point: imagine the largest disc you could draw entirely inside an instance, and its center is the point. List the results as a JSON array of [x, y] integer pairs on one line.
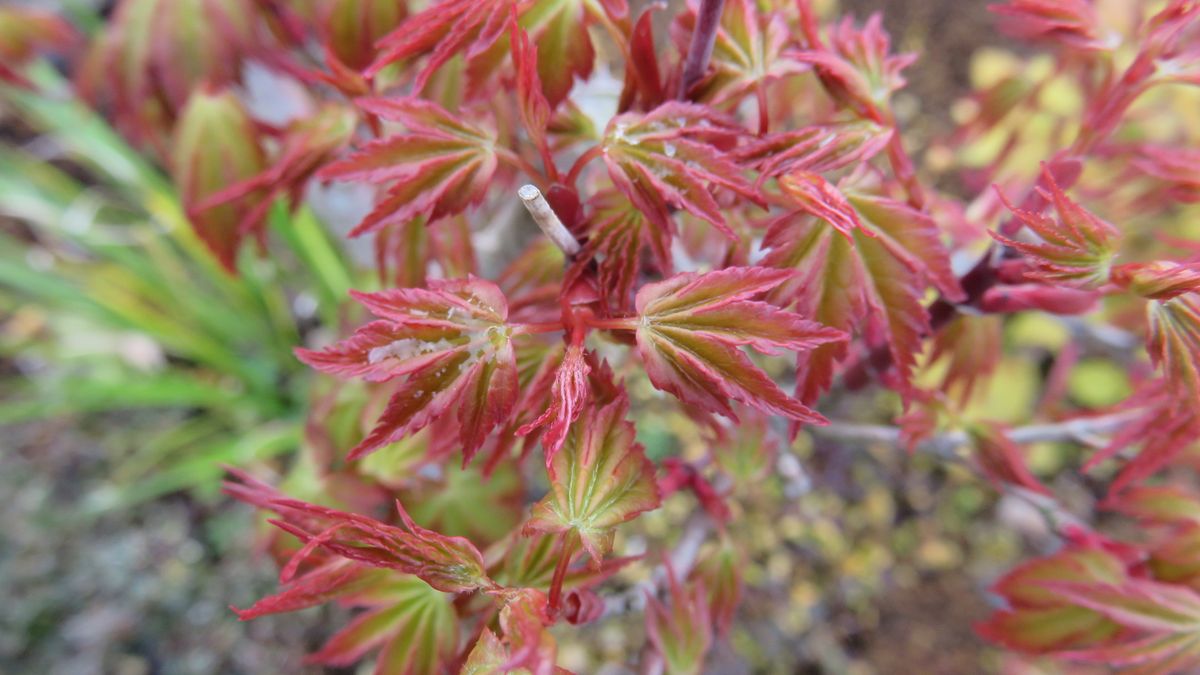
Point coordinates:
[[202, 468], [97, 393], [312, 244]]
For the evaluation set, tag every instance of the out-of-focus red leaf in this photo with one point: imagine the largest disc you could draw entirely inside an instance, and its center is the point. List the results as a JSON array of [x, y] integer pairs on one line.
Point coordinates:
[[720, 572], [1161, 280], [1024, 297], [1003, 461], [308, 142], [353, 27], [1038, 620], [971, 347], [681, 631], [1070, 23], [872, 284], [1075, 249], [1177, 167], [155, 53], [1167, 426], [441, 166], [26, 32], [216, 145]]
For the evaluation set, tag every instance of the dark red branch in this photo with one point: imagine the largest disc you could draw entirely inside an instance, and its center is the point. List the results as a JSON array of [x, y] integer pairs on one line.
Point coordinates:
[[700, 50]]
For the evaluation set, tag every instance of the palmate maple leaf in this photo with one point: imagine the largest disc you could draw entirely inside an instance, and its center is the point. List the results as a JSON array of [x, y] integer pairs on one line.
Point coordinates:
[[748, 53], [1172, 319], [448, 564], [690, 329], [451, 345], [476, 29], [1163, 618], [872, 281], [856, 67], [601, 478], [670, 158], [1036, 620], [681, 631], [1075, 249], [439, 167], [819, 148]]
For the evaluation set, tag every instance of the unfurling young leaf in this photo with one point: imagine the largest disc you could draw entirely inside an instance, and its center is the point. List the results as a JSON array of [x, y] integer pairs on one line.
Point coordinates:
[[1174, 343], [600, 479], [568, 396], [215, 146], [451, 346], [353, 27], [1075, 249], [690, 329]]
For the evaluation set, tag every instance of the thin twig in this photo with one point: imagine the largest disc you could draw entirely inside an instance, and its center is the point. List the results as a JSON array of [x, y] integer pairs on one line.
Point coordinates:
[[1080, 430], [700, 50], [547, 220], [682, 559]]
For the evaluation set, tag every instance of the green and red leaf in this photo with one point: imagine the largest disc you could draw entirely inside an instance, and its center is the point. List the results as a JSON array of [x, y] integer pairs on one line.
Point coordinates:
[[749, 52], [215, 146], [441, 166], [683, 632], [691, 327], [599, 479], [452, 346], [414, 628], [873, 280], [671, 157], [1075, 249]]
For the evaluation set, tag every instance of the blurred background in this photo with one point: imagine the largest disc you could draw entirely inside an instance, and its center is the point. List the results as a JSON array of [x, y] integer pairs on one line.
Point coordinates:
[[121, 399]]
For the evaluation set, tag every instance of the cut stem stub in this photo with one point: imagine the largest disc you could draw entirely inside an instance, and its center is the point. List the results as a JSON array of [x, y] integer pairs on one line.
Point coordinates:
[[547, 220]]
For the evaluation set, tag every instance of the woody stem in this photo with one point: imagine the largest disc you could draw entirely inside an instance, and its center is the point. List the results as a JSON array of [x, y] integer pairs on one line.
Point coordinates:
[[700, 50]]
